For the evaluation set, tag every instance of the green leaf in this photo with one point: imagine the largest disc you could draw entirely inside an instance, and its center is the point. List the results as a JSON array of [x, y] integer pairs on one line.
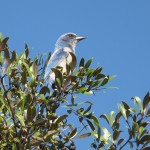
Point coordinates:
[[60, 119], [111, 118], [39, 122], [81, 64], [26, 50], [35, 142], [116, 135], [82, 89], [120, 141], [90, 125], [7, 57], [58, 74], [96, 123], [105, 81], [135, 127], [112, 77], [73, 62], [31, 113], [88, 109], [14, 56], [137, 100], [88, 93], [146, 101], [21, 119], [141, 132], [58, 82], [44, 90], [131, 144], [85, 135], [104, 116], [88, 63], [73, 133], [1, 37], [100, 76], [145, 138], [122, 110], [35, 66], [49, 134], [31, 74], [98, 71], [3, 45], [126, 106], [67, 81], [107, 134]]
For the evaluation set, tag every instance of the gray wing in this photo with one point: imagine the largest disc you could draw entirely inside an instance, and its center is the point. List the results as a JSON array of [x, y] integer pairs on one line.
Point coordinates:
[[57, 57]]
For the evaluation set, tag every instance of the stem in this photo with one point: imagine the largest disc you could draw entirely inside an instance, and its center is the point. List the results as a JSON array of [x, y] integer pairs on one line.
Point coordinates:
[[12, 114], [124, 144]]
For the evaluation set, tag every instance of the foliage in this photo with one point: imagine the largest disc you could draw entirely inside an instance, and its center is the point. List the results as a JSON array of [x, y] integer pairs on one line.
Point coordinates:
[[29, 109]]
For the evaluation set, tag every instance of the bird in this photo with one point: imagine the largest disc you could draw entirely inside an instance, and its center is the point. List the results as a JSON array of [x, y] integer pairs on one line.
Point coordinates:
[[65, 44]]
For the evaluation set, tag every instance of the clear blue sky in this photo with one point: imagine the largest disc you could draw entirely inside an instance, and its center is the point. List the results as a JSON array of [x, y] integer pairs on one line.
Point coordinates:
[[118, 38]]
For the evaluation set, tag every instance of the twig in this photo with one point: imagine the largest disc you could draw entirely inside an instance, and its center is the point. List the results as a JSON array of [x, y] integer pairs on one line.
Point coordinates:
[[124, 144], [13, 116]]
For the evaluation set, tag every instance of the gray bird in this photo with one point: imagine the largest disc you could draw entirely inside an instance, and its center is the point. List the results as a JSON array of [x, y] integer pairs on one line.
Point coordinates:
[[65, 44]]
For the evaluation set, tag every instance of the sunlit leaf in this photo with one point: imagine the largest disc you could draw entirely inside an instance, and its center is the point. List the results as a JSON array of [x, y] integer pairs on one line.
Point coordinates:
[[122, 110], [107, 134], [21, 119], [82, 89]]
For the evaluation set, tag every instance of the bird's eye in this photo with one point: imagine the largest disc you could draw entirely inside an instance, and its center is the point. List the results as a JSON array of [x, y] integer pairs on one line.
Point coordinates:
[[71, 35]]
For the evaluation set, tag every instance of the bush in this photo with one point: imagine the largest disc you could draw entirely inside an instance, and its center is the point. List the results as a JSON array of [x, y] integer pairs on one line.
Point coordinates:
[[29, 117]]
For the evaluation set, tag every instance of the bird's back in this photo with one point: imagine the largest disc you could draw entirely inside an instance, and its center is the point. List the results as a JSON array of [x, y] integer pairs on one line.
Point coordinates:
[[59, 58]]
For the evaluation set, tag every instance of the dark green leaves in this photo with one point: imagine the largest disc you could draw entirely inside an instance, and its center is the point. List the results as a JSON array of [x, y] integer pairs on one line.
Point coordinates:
[[44, 90], [85, 135], [58, 76], [3, 44], [81, 62], [32, 116], [146, 101], [88, 63], [73, 62], [61, 118]]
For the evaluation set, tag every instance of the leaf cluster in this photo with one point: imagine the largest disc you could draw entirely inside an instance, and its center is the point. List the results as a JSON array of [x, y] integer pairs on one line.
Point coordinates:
[[30, 115]]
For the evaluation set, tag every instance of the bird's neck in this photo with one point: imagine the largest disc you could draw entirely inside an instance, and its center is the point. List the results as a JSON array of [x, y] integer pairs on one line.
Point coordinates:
[[60, 45]]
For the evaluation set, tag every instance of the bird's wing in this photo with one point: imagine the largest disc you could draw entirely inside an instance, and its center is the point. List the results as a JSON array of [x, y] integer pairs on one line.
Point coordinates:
[[57, 57]]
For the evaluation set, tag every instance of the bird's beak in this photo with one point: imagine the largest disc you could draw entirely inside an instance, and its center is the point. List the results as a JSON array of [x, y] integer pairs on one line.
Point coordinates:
[[79, 38]]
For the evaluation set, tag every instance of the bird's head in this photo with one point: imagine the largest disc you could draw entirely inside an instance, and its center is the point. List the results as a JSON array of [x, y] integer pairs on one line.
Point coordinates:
[[68, 40]]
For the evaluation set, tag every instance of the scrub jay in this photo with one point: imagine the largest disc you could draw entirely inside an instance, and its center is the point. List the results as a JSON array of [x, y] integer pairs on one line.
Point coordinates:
[[66, 43]]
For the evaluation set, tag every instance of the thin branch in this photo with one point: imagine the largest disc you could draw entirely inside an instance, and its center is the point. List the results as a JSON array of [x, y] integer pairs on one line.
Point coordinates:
[[125, 144], [13, 116]]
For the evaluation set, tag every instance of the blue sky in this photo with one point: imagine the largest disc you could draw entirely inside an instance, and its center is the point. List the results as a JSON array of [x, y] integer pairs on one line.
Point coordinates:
[[118, 38]]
